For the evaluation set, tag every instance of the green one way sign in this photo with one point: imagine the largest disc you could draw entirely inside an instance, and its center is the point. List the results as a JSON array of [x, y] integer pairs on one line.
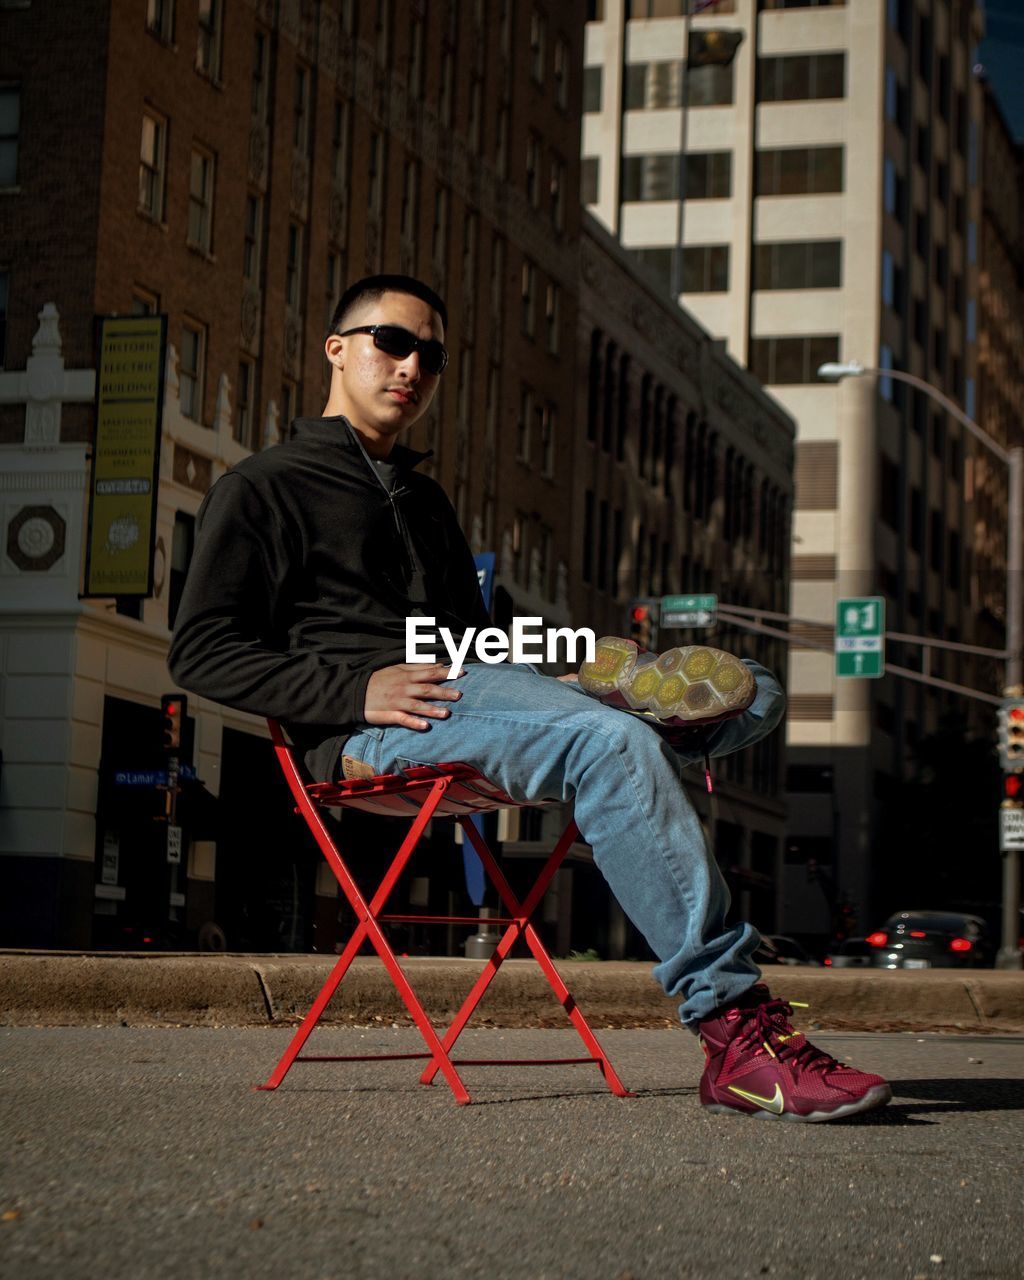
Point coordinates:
[[860, 631]]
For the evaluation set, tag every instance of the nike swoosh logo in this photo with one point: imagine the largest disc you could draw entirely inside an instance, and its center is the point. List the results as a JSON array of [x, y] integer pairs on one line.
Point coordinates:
[[773, 1104]]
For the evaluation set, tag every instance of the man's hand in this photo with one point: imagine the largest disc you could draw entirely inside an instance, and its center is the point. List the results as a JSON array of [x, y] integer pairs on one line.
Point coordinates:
[[403, 694]]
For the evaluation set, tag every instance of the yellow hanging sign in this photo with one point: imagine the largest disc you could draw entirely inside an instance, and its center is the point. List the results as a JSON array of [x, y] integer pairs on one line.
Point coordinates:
[[126, 456]]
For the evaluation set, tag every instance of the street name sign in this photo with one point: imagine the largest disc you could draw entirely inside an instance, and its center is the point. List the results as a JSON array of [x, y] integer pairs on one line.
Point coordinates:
[[1011, 828], [860, 631], [689, 611]]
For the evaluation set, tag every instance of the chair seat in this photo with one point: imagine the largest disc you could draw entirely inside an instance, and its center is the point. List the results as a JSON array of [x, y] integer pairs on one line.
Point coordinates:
[[401, 793]]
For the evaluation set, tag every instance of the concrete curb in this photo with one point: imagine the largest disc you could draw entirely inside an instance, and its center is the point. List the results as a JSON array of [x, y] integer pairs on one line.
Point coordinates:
[[79, 989]]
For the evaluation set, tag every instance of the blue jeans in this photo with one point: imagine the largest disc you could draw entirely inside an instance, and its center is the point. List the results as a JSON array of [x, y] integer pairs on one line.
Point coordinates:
[[543, 739]]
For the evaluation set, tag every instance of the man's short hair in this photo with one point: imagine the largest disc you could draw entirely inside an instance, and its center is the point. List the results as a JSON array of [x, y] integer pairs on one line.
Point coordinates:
[[373, 288]]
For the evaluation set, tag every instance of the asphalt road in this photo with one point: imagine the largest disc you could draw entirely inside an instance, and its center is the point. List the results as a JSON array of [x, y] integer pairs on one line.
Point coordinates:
[[139, 1153]]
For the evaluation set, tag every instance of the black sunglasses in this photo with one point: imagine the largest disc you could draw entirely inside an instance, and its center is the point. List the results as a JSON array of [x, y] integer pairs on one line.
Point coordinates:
[[395, 341]]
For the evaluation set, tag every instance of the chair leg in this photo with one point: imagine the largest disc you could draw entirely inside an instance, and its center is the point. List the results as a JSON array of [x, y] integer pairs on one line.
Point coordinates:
[[368, 927], [521, 927], [319, 1005]]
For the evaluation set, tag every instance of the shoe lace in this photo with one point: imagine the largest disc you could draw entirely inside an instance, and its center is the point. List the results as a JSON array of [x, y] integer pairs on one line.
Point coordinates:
[[768, 1024]]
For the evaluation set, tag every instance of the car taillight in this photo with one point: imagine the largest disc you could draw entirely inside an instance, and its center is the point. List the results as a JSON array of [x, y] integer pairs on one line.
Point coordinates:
[[879, 939], [918, 933], [961, 944]]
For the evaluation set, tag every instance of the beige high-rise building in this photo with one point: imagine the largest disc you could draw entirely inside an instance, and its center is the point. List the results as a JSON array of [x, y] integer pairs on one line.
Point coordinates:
[[828, 155]]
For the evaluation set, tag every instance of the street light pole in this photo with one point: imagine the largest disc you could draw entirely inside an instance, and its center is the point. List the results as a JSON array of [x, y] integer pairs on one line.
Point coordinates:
[[1009, 956]]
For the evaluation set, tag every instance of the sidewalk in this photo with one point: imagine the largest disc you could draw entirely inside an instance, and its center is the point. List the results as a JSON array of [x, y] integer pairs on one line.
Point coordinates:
[[135, 989]]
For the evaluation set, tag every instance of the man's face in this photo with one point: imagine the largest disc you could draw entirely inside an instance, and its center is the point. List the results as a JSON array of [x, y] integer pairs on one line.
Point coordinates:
[[382, 395]]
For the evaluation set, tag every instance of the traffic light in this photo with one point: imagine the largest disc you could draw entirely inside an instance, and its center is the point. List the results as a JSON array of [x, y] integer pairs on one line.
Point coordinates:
[[172, 713], [1011, 735], [643, 623], [1013, 787]]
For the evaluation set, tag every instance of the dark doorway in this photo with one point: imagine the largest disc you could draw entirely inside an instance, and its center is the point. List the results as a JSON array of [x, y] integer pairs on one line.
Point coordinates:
[[134, 908], [266, 858]]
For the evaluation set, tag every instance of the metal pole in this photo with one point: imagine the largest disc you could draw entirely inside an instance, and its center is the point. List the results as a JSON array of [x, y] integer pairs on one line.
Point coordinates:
[[1014, 565], [1009, 956]]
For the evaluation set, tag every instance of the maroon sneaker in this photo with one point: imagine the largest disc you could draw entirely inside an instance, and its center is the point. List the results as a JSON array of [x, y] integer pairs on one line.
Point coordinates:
[[758, 1065], [688, 686]]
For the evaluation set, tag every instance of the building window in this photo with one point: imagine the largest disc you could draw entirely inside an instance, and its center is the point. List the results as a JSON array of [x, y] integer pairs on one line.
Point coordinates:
[[896, 102], [561, 73], [547, 441], [300, 111], [557, 190], [376, 174], [801, 76], [160, 19], [289, 404], [260, 51], [798, 264], [497, 276], [200, 200], [706, 268], [469, 253], [652, 86], [650, 177], [410, 201], [182, 543], [10, 125], [5, 286], [152, 162], [787, 361], [590, 174], [244, 404], [383, 33], [144, 303], [529, 297], [707, 175], [552, 317], [251, 245], [524, 424], [709, 86], [339, 143], [798, 4], [446, 95], [593, 87], [416, 56], [501, 143], [888, 279], [474, 130], [440, 247], [293, 267], [208, 47], [191, 370], [537, 37], [332, 291], [799, 171], [533, 169]]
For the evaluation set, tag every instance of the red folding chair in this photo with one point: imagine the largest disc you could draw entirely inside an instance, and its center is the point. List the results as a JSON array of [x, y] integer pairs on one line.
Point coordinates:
[[425, 792]]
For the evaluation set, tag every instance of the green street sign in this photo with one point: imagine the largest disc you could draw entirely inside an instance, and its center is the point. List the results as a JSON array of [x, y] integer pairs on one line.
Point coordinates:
[[860, 636], [689, 611]]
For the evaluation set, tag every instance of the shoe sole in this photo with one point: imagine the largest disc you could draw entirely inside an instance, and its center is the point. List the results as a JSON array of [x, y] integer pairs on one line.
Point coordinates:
[[687, 684], [874, 1098]]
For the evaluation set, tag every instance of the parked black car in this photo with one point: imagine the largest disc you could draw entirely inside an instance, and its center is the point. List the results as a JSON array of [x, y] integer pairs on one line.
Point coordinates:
[[776, 948], [930, 939], [851, 953]]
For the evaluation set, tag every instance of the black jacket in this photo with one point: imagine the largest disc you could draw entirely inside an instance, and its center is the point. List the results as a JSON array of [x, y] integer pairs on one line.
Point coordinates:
[[304, 572]]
